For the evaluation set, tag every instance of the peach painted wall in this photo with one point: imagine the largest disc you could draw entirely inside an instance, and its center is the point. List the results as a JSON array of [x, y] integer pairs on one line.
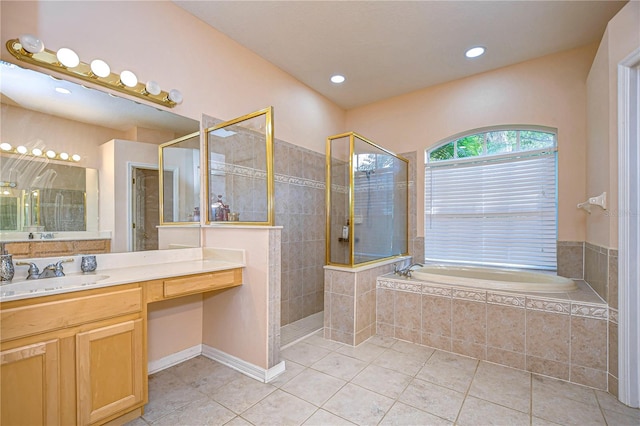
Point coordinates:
[[174, 325], [160, 41], [236, 321], [620, 39], [548, 91]]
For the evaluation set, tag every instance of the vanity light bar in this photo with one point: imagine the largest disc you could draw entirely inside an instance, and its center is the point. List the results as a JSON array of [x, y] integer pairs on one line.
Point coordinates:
[[39, 153], [100, 74]]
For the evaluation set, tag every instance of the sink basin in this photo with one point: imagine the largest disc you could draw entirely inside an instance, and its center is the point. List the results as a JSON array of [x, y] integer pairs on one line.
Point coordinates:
[[49, 284]]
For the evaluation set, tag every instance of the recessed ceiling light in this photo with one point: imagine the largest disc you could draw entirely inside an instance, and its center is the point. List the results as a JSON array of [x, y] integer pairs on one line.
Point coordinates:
[[63, 90], [338, 79], [474, 52]]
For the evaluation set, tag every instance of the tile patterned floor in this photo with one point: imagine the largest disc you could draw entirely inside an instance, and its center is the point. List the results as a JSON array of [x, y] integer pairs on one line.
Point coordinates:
[[382, 381]]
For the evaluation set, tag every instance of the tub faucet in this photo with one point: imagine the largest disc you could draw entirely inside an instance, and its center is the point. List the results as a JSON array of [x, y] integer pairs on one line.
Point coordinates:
[[406, 272]]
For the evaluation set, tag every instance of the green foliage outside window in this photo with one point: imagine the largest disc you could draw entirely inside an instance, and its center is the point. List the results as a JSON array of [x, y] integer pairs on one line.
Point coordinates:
[[493, 143]]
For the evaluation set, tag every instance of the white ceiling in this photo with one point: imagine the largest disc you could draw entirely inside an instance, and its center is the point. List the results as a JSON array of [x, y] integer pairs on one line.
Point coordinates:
[[387, 48]]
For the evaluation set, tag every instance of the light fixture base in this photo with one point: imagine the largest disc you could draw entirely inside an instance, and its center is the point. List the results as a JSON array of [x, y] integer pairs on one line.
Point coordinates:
[[48, 59]]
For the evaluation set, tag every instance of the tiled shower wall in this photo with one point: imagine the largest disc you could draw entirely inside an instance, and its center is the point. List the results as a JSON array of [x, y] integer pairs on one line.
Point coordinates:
[[300, 210]]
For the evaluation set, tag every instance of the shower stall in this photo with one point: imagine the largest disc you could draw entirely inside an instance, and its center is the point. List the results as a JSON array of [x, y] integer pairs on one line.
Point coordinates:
[[367, 201]]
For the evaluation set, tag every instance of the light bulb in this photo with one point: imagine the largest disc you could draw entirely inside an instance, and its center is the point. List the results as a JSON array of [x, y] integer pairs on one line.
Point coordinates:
[[100, 68], [64, 156], [51, 154], [31, 43], [128, 78], [474, 52], [175, 96], [68, 57], [21, 149], [152, 87], [5, 146], [338, 79], [37, 152], [75, 157]]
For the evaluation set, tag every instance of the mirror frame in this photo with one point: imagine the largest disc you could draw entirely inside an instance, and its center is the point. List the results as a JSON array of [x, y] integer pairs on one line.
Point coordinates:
[[268, 113], [161, 180]]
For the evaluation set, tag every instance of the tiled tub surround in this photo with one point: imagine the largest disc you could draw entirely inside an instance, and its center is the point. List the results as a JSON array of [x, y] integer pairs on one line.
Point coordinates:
[[570, 259], [350, 301], [300, 210], [558, 335]]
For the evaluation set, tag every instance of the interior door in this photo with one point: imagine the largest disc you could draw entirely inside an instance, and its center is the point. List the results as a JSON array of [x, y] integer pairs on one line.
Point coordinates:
[[146, 208]]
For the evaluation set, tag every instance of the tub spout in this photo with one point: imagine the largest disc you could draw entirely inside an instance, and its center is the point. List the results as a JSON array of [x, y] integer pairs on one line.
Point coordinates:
[[406, 272]]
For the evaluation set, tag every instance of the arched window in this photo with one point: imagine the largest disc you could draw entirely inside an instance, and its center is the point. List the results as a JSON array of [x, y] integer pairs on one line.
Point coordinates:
[[491, 199]]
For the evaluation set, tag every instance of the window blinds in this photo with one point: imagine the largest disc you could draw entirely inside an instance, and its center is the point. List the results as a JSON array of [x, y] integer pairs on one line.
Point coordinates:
[[500, 212]]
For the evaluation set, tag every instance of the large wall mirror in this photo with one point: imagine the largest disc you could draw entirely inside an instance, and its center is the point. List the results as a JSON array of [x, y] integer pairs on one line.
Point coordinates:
[[116, 141], [180, 180], [38, 196]]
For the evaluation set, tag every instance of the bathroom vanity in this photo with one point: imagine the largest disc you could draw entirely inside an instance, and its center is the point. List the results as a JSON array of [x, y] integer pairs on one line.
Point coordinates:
[[74, 349]]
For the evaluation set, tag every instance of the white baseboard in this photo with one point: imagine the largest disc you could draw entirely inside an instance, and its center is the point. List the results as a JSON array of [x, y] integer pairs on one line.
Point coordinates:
[[173, 359], [242, 366]]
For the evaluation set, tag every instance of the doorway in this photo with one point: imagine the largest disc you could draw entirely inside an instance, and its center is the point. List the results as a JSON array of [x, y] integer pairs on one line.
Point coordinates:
[[145, 211]]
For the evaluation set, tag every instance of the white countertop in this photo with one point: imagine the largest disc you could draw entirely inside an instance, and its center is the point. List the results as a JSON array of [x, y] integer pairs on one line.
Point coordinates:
[[110, 276]]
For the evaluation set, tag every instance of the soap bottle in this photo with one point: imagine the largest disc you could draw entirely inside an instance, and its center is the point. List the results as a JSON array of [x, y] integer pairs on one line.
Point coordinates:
[[217, 209]]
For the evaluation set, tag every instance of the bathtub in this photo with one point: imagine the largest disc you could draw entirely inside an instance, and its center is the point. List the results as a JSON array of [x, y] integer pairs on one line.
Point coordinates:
[[494, 279]]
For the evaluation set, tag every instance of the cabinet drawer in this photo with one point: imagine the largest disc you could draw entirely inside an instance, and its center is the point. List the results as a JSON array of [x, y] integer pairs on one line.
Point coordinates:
[[43, 317], [19, 249], [201, 283], [92, 246]]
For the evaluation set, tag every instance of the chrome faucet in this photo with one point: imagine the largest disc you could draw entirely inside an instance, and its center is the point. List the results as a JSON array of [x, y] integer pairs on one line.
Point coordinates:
[[50, 271], [405, 272]]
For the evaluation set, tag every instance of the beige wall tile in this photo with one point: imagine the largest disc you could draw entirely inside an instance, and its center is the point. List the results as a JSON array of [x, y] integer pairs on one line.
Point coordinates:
[[408, 334], [342, 313], [343, 283], [342, 337], [436, 341], [436, 315], [508, 358], [612, 296], [463, 347], [363, 313], [469, 321], [506, 328], [613, 349], [364, 334], [408, 310], [589, 377], [547, 367], [384, 306], [548, 336], [385, 330], [570, 256], [612, 385], [589, 342]]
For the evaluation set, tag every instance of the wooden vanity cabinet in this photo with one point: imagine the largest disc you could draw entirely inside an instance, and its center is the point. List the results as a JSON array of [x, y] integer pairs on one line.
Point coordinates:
[[81, 358], [52, 248], [30, 384], [75, 358]]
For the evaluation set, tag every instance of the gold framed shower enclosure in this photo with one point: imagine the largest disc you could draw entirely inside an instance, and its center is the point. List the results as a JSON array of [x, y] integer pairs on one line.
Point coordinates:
[[367, 201]]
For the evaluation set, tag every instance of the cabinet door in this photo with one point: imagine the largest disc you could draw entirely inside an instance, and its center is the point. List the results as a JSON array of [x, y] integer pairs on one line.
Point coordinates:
[[30, 385], [109, 370]]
